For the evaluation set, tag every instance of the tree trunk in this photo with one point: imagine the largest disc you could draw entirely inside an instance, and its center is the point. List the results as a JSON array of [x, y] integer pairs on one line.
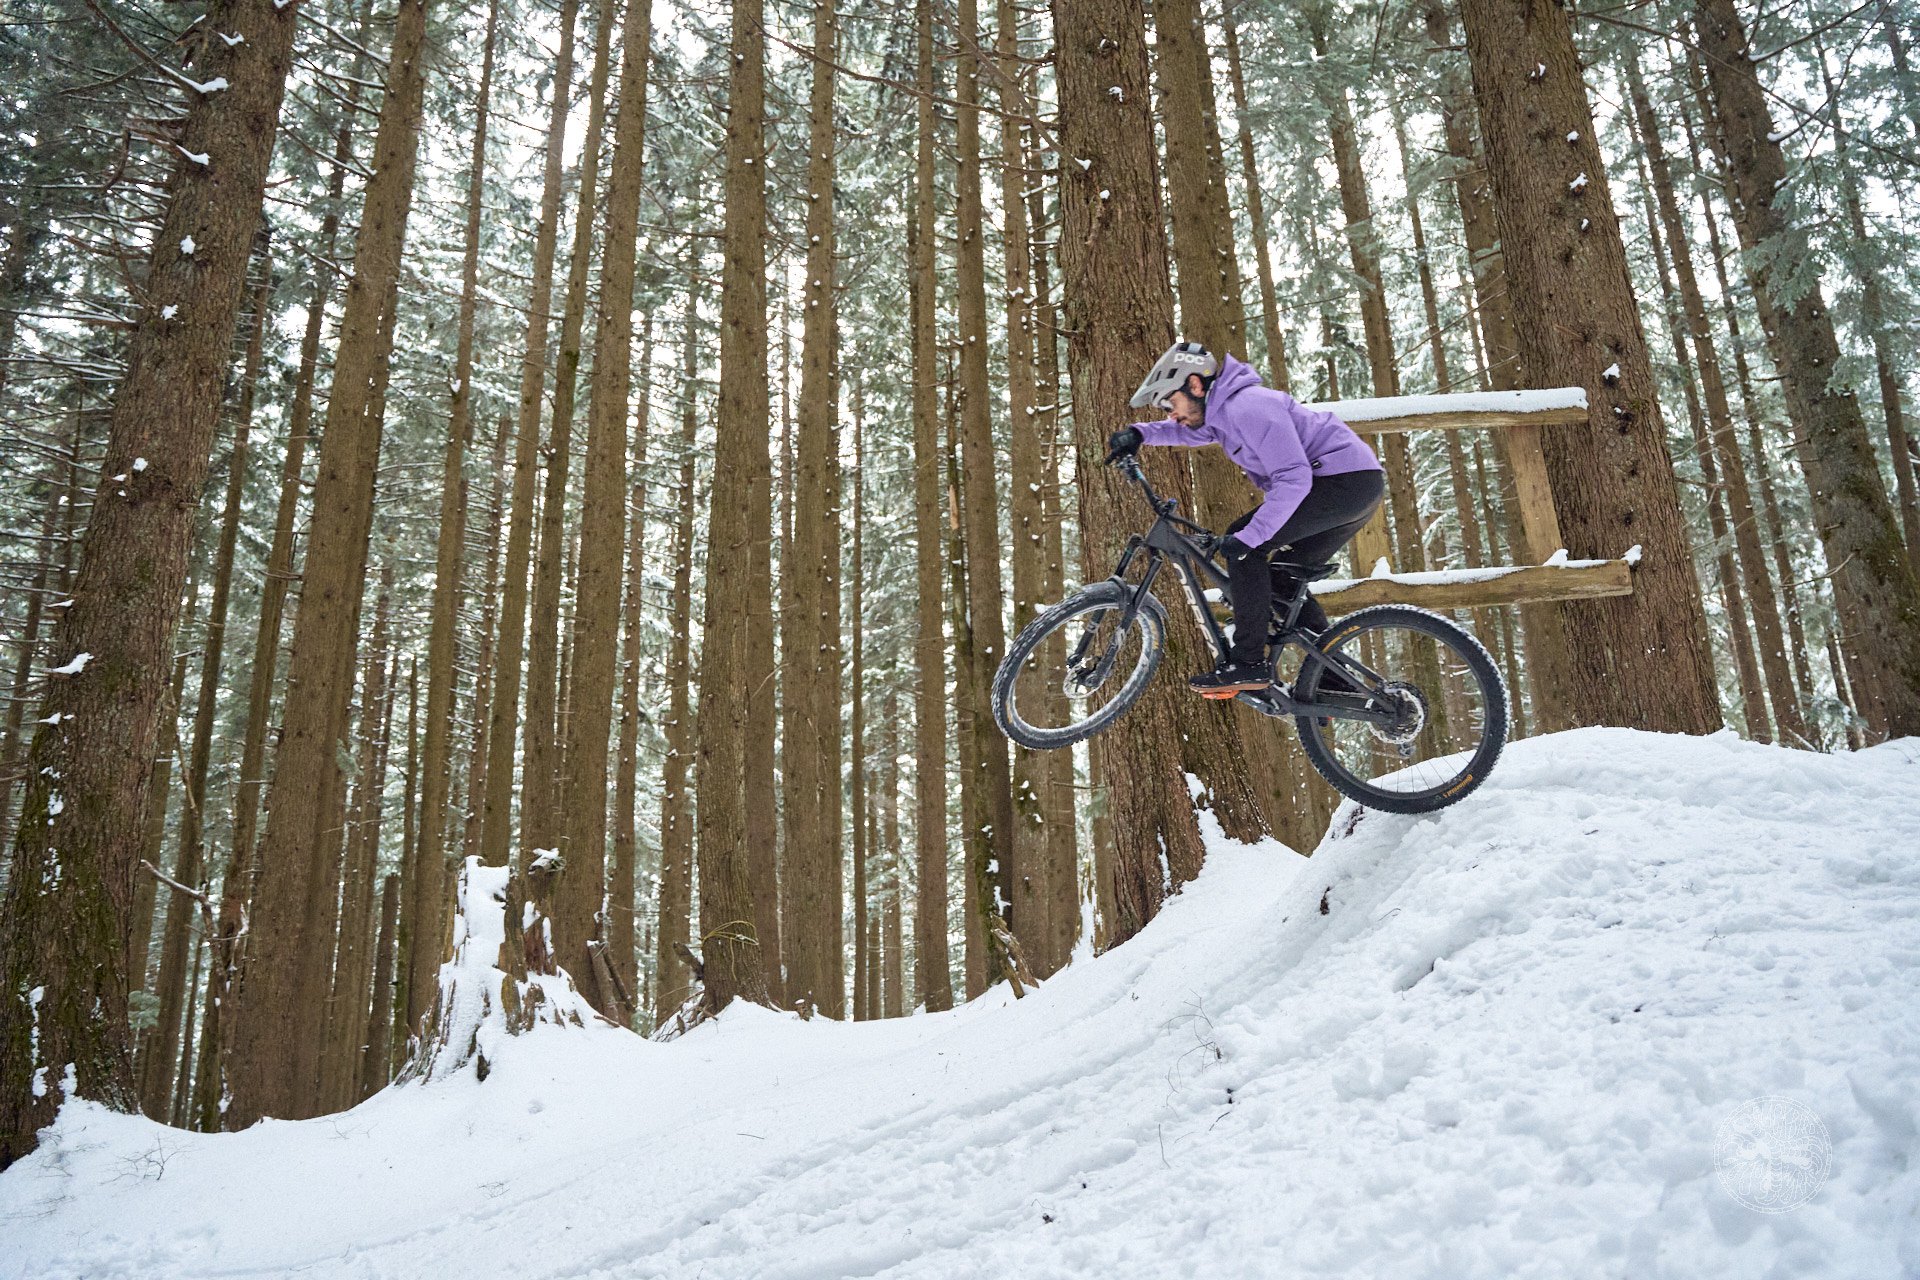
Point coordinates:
[[1106, 908], [1211, 313], [811, 875], [1753, 702], [736, 950], [22, 686], [1062, 801], [26, 220], [978, 904], [1713, 389], [1256, 209], [596, 630], [1210, 310], [1874, 319], [1117, 316], [1777, 541], [1363, 250], [543, 735], [622, 946], [893, 979], [479, 723], [932, 974], [1843, 694], [1544, 633], [279, 577], [376, 1057], [1033, 896], [183, 1077], [280, 996], [865, 968], [503, 738], [429, 911], [1874, 584], [153, 839], [64, 938], [1613, 482], [1890, 15], [157, 1075], [763, 713], [676, 807], [347, 1021], [990, 837], [409, 866]]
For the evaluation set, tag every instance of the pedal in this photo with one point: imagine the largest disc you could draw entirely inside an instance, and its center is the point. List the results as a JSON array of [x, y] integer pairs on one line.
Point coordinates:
[[1219, 695]]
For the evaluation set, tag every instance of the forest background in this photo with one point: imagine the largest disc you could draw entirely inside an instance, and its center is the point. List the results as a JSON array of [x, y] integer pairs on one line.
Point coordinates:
[[615, 442]]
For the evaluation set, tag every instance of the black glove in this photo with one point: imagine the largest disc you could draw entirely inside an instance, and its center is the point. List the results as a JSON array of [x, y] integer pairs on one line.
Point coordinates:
[[1233, 549], [1124, 443]]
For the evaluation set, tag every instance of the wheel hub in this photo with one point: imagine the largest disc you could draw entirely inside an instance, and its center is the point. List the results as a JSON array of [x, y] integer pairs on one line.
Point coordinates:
[[1409, 707]]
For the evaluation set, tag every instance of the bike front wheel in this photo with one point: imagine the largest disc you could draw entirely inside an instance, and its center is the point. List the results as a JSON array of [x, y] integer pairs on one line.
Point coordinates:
[[1445, 705], [1077, 667]]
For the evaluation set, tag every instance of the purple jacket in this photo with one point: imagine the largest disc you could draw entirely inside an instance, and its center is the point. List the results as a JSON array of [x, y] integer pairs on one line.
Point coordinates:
[[1280, 443]]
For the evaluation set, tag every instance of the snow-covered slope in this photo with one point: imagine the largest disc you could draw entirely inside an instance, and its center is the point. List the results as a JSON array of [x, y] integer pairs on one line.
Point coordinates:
[[1502, 1041]]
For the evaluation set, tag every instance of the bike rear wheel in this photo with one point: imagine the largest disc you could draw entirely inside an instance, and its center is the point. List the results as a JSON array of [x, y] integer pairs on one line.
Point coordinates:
[[1446, 698], [1073, 670]]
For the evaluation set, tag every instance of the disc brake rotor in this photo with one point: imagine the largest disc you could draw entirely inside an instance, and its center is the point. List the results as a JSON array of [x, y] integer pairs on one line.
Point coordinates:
[[1409, 714]]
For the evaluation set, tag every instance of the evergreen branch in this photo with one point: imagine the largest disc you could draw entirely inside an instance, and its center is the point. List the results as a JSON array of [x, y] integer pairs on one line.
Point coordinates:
[[139, 51]]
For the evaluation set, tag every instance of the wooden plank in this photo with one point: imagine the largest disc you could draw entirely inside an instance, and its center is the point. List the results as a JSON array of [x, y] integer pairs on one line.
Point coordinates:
[[1519, 584], [1463, 419], [1486, 410]]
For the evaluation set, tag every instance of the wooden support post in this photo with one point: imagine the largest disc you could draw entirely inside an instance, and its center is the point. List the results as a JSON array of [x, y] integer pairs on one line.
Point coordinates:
[[1539, 526]]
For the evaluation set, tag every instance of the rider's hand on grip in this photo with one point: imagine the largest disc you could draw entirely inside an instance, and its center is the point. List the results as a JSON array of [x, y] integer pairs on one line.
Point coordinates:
[[1124, 444]]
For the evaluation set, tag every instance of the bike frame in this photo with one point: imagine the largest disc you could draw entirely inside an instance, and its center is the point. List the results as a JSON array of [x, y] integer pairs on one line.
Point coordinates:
[[1171, 540]]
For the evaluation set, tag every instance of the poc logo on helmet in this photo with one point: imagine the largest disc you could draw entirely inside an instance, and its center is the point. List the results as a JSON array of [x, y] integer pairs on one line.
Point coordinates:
[[1174, 366]]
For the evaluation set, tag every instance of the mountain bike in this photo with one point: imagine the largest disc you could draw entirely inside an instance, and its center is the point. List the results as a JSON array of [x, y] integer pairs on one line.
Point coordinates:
[[1397, 707]]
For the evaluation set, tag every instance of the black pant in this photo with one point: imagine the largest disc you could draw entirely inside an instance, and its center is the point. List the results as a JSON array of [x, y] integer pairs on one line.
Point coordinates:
[[1336, 508]]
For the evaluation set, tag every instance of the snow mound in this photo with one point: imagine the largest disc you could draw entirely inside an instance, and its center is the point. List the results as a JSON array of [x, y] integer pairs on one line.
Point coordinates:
[[1505, 1040]]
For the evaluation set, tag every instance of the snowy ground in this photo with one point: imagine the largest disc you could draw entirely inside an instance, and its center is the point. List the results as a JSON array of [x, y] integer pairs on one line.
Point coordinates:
[[1503, 1041]]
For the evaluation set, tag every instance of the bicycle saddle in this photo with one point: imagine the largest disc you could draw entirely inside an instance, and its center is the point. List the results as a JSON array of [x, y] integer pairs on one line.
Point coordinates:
[[1308, 572]]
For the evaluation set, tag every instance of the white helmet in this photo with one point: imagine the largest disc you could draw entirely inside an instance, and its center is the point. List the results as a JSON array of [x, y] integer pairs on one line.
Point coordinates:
[[1170, 374]]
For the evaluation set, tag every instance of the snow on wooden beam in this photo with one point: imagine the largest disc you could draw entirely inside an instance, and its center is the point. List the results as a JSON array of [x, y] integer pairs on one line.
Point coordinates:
[[1473, 588], [1557, 407]]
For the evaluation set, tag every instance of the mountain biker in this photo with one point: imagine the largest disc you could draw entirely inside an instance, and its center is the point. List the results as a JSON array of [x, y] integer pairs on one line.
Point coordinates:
[[1321, 484]]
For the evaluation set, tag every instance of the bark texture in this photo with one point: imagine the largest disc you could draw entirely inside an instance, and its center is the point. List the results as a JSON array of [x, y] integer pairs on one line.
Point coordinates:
[[503, 737], [603, 540], [811, 874], [932, 973], [732, 948], [1117, 314], [1642, 660], [63, 936]]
